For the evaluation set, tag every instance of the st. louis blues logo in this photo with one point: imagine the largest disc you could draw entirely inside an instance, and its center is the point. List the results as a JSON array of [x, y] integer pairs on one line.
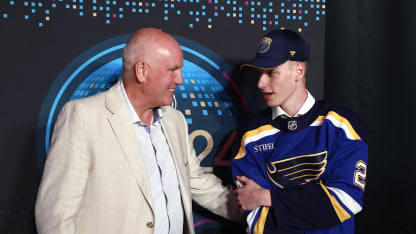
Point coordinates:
[[297, 170], [264, 45]]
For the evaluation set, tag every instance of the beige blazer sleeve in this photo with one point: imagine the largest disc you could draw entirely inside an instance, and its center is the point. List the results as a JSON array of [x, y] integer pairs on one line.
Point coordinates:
[[65, 175]]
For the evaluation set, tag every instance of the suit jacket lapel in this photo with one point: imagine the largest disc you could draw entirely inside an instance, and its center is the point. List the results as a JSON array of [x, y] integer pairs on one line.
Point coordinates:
[[121, 124], [177, 146], [174, 138]]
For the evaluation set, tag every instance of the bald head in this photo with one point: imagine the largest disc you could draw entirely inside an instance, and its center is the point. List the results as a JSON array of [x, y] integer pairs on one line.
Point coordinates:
[[144, 45]]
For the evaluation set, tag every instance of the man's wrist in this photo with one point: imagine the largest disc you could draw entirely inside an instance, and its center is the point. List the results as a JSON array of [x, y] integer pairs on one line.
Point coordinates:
[[266, 199]]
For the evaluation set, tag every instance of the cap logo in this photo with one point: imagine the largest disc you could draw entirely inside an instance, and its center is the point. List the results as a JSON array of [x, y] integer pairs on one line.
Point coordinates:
[[292, 53], [264, 45]]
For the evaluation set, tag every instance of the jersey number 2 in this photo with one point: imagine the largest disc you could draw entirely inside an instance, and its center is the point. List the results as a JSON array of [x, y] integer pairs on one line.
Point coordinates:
[[360, 174]]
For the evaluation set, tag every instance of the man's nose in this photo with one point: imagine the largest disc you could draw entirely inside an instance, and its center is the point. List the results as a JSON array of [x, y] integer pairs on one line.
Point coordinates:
[[179, 78], [262, 81]]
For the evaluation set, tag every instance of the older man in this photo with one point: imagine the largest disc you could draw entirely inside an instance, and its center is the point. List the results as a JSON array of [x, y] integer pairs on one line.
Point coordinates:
[[122, 161]]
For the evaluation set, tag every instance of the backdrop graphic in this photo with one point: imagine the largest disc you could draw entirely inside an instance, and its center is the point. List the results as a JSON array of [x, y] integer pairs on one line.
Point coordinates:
[[60, 50]]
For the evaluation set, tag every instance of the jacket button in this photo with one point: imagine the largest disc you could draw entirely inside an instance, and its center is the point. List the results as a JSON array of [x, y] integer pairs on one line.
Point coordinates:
[[149, 225]]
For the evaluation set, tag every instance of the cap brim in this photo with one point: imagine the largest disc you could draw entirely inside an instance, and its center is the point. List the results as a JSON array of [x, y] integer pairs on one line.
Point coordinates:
[[263, 63]]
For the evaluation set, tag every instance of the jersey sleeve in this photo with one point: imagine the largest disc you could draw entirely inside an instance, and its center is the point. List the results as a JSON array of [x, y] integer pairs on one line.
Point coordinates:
[[246, 163]]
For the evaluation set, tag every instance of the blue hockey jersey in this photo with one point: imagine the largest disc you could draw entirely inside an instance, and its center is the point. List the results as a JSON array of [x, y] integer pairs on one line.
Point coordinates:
[[315, 166]]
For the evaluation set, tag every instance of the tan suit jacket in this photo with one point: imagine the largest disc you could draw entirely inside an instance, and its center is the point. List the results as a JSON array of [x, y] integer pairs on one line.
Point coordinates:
[[95, 178]]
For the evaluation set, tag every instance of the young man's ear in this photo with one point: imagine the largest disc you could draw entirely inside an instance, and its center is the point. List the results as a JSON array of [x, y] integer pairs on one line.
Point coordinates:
[[300, 71], [140, 71], [300, 68]]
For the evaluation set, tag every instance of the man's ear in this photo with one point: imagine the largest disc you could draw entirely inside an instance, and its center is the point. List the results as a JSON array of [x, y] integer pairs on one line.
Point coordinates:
[[140, 71], [300, 71]]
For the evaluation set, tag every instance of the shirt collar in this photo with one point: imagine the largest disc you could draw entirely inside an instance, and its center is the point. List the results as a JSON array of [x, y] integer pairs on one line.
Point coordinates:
[[157, 112], [307, 105]]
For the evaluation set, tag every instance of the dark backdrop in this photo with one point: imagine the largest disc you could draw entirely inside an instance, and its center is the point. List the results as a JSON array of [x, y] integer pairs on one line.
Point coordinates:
[[369, 66], [369, 62]]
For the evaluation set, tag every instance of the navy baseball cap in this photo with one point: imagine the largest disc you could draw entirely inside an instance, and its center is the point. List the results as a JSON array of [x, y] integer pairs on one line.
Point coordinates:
[[278, 46]]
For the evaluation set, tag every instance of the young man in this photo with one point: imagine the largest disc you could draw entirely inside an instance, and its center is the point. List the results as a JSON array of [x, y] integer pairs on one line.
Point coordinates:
[[301, 164]]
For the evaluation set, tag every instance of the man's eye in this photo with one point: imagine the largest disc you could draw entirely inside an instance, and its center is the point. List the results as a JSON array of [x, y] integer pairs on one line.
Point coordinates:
[[271, 72]]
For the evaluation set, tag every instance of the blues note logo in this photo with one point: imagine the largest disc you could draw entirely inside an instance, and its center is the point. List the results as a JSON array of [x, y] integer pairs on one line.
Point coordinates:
[[264, 45], [297, 170]]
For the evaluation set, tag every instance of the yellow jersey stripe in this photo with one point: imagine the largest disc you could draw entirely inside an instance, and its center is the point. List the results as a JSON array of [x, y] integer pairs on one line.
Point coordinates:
[[340, 122], [341, 212], [254, 135], [261, 221]]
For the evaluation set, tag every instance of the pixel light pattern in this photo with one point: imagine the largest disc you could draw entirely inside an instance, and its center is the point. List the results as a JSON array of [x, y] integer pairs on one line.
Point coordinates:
[[198, 13]]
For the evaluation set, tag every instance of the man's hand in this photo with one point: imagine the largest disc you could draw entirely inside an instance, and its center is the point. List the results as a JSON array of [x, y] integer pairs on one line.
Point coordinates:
[[251, 195]]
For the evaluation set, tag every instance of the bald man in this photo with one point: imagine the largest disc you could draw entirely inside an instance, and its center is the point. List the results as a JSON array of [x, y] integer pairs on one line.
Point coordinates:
[[122, 161]]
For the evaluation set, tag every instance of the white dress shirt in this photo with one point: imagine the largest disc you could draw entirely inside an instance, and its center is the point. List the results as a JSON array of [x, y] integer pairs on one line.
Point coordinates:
[[307, 105], [161, 170]]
